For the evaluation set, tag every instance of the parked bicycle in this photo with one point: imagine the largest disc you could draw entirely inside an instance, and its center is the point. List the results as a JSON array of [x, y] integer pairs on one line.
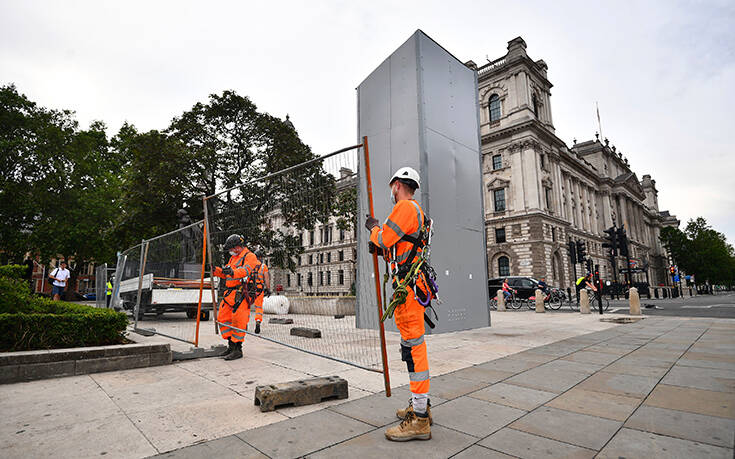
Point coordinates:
[[553, 299]]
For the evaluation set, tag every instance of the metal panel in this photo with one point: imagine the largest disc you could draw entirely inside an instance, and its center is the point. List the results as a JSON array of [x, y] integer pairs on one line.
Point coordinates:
[[419, 109]]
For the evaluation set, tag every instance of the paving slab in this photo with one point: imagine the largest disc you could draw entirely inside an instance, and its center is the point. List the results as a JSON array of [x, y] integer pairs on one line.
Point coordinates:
[[643, 361], [477, 451], [567, 365], [620, 384], [535, 357], [444, 443], [549, 380], [636, 370], [510, 364], [634, 443], [707, 402], [514, 396], [600, 404], [379, 410], [597, 358], [707, 360], [529, 446], [578, 429], [474, 417], [303, 435], [450, 387], [701, 378], [230, 447], [688, 426], [484, 375]]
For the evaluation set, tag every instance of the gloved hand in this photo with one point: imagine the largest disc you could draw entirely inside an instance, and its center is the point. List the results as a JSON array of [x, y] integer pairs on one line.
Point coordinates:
[[227, 271], [371, 222], [218, 271], [257, 328], [372, 248], [267, 292]]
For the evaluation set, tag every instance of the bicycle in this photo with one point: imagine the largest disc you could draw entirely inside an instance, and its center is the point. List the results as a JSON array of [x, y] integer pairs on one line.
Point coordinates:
[[553, 300], [594, 306]]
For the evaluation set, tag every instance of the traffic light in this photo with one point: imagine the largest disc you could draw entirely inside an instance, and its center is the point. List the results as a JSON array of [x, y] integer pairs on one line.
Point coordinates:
[[581, 251], [589, 265], [622, 242], [612, 240], [672, 270], [572, 252]]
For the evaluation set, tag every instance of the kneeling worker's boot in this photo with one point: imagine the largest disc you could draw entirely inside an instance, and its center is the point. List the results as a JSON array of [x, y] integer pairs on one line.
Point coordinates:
[[236, 353], [413, 427], [401, 414], [230, 348]]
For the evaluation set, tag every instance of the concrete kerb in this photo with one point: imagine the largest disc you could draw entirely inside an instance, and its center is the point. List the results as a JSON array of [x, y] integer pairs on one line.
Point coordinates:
[[43, 364]]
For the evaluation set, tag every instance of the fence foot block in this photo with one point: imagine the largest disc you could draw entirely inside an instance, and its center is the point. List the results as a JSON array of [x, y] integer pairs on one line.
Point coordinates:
[[306, 332], [200, 352], [144, 332], [300, 393], [277, 320]]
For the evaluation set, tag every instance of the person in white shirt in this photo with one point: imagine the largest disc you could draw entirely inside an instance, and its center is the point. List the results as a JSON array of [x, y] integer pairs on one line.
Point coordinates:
[[59, 277]]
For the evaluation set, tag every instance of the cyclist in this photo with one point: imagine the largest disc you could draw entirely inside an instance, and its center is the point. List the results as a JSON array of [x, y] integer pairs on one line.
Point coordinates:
[[585, 282], [543, 286], [506, 289]]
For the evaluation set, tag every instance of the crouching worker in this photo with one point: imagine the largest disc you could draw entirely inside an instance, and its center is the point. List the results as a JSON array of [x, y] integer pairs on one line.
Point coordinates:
[[234, 308], [397, 240]]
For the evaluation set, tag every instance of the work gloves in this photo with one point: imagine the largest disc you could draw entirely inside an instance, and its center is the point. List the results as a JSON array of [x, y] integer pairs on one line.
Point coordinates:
[[267, 292], [371, 222], [257, 328], [227, 271], [372, 248]]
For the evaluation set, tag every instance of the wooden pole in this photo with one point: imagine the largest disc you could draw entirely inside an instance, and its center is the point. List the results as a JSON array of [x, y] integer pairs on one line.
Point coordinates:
[[376, 269]]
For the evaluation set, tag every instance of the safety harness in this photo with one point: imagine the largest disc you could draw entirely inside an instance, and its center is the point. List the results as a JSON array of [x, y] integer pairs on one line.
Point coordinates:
[[406, 276], [247, 289]]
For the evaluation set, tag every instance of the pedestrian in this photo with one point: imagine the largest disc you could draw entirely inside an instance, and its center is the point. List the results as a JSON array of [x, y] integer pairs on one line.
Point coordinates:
[[393, 241], [59, 277], [234, 308], [109, 290]]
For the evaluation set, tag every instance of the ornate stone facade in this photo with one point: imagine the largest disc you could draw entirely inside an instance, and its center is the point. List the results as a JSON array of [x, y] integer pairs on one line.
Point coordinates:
[[539, 193]]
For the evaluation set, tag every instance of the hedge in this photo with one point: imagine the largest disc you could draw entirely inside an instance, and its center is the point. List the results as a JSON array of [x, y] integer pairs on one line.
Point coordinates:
[[31, 322], [12, 271]]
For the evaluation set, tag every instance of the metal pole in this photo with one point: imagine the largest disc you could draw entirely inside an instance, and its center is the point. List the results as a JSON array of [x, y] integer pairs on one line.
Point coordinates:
[[208, 232], [141, 270], [599, 287], [376, 269], [574, 270], [201, 286]]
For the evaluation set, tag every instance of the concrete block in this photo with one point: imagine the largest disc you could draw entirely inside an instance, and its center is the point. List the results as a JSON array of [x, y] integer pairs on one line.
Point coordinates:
[[9, 374], [45, 370], [501, 300], [124, 362], [306, 332], [279, 321], [198, 353], [300, 393], [584, 302], [635, 302], [539, 301], [164, 358]]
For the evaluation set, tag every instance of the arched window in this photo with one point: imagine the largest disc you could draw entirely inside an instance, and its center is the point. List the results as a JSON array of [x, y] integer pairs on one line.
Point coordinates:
[[503, 266], [534, 100], [494, 107]]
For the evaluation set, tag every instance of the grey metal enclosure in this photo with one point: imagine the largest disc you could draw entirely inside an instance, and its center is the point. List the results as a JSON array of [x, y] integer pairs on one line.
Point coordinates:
[[419, 109]]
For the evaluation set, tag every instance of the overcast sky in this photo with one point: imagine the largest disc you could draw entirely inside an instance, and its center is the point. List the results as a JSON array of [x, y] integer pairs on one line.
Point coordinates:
[[662, 72]]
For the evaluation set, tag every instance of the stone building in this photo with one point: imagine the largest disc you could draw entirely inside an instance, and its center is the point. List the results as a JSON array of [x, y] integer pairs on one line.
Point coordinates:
[[539, 193]]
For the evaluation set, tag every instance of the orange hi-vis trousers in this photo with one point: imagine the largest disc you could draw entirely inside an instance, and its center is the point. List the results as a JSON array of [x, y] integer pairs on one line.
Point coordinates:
[[233, 325], [410, 322], [259, 307]]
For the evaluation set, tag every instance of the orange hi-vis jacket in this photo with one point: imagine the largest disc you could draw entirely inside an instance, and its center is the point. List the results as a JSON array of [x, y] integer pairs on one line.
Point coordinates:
[[233, 318], [407, 218]]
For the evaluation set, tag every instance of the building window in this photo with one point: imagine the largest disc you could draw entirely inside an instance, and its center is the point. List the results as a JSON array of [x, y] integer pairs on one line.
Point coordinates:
[[549, 202], [329, 257], [341, 235], [499, 235], [542, 159], [311, 259], [499, 198], [341, 277], [341, 255], [497, 162], [494, 107], [329, 233], [503, 266], [298, 280], [553, 234], [329, 277], [298, 260], [310, 279], [321, 277], [311, 237], [534, 100], [321, 258], [288, 280]]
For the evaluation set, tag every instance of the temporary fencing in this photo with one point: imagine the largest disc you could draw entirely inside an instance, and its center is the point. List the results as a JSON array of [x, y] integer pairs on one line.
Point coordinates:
[[170, 285], [303, 220], [100, 285]]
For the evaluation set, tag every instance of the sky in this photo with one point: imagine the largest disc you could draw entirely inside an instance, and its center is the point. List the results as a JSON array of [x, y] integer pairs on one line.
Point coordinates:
[[662, 72]]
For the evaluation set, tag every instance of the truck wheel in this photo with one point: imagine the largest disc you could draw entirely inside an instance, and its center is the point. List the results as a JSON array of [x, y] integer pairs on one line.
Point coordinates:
[[204, 316]]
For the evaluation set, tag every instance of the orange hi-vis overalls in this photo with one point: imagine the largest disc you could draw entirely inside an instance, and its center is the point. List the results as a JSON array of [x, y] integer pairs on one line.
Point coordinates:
[[407, 219], [262, 271], [233, 316]]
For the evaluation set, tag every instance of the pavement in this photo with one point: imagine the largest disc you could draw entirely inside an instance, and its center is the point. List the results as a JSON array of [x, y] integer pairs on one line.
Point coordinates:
[[531, 385]]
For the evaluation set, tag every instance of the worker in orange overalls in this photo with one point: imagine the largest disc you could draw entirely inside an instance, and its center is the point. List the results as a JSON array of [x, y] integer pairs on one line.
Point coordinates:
[[234, 308], [406, 220]]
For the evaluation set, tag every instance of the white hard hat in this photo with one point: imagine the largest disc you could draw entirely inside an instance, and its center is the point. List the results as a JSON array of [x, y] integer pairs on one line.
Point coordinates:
[[407, 173]]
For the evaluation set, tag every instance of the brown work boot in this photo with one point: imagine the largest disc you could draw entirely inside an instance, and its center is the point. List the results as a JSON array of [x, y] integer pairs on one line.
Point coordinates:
[[236, 352], [401, 414], [413, 427]]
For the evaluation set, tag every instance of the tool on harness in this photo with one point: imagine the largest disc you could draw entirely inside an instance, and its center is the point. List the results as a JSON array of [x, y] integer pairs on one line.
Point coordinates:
[[407, 276]]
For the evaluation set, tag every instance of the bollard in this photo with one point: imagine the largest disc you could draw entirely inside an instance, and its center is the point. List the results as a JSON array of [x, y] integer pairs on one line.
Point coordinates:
[[501, 300], [539, 301], [635, 302], [584, 301], [655, 292]]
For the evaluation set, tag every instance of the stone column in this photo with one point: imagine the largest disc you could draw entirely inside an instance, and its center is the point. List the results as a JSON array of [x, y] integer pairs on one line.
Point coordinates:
[[501, 300], [539, 301], [584, 301], [635, 302]]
